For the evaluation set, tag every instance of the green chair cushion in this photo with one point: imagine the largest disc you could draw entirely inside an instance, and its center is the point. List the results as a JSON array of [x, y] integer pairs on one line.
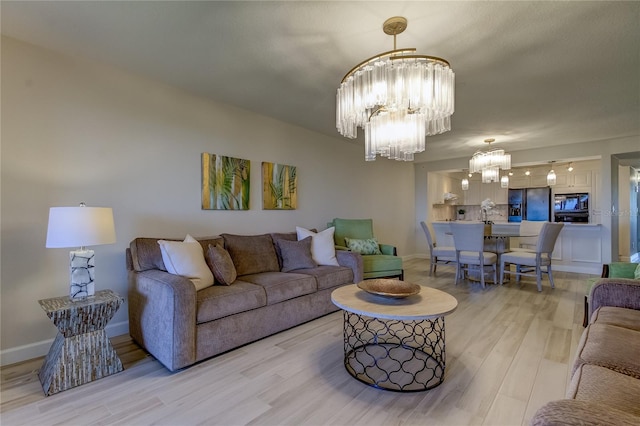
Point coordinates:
[[381, 262], [622, 269]]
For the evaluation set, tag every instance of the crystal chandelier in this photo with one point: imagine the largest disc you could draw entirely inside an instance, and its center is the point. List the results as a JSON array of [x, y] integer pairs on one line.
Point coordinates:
[[398, 98], [489, 163]]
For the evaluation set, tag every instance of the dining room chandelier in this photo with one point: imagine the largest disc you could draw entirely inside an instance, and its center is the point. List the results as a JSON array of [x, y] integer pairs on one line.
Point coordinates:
[[398, 98], [489, 163]]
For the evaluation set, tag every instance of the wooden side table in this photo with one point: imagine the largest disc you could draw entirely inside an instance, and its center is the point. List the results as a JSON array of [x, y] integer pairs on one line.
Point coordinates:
[[81, 352]]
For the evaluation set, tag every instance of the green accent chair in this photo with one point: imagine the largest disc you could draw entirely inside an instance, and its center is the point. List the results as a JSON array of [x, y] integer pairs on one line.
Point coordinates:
[[385, 265]]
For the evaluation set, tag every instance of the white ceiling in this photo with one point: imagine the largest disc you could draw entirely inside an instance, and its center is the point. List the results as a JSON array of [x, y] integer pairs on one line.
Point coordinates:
[[527, 73]]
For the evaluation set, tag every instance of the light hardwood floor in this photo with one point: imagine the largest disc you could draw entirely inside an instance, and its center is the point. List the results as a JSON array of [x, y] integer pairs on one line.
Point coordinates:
[[509, 350]]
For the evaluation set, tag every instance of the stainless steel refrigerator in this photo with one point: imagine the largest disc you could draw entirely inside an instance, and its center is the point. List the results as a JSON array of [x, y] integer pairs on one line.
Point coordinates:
[[530, 204]]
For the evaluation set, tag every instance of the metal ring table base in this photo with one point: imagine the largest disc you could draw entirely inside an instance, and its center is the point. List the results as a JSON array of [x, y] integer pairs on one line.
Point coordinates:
[[396, 355]]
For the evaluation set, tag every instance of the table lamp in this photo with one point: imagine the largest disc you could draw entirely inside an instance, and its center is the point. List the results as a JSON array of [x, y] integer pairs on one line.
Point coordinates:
[[80, 227]]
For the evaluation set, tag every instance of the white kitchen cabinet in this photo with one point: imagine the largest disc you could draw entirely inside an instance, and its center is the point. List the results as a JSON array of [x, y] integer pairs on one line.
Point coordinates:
[[517, 182], [501, 195], [538, 181], [472, 195], [576, 179]]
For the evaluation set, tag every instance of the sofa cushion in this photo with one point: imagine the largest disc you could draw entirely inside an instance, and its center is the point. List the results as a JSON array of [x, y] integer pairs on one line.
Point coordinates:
[[220, 301], [583, 413], [381, 262], [610, 346], [281, 286], [186, 259], [598, 384], [366, 246], [251, 254], [329, 276], [295, 254], [622, 317], [221, 265], [322, 247]]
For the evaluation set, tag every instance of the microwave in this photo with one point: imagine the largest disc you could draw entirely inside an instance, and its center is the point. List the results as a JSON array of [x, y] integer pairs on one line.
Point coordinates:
[[571, 207]]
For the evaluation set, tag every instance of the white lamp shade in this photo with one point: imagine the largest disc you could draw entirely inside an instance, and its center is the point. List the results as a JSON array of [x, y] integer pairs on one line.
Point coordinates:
[[80, 227]]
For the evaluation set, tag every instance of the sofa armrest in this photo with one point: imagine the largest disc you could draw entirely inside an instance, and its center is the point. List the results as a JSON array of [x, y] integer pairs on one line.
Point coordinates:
[[162, 316], [337, 247], [584, 413], [351, 260], [388, 249], [620, 292]]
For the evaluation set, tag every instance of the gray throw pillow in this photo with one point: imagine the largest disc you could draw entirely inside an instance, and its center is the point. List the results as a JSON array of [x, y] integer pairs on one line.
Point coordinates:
[[296, 254], [221, 265]]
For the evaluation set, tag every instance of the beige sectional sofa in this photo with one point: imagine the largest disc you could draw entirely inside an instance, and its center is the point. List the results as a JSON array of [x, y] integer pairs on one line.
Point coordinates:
[[180, 325], [605, 382]]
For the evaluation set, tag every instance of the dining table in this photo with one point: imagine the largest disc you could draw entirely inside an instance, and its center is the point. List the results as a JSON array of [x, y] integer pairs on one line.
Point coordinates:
[[495, 241]]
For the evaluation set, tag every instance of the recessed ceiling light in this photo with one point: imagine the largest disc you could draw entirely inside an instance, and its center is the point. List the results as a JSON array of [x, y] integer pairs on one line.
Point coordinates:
[[527, 173]]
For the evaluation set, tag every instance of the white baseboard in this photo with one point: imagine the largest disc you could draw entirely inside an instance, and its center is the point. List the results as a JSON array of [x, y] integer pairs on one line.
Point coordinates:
[[38, 349]]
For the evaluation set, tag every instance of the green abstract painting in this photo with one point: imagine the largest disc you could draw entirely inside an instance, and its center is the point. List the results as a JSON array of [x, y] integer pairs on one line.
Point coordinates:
[[279, 187], [225, 182]]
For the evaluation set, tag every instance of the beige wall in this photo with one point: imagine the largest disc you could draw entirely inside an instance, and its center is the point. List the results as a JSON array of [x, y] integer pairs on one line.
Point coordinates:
[[74, 130]]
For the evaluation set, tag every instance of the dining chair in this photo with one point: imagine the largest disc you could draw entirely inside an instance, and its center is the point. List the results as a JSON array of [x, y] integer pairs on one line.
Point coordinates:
[[529, 232], [468, 239], [527, 262], [438, 254]]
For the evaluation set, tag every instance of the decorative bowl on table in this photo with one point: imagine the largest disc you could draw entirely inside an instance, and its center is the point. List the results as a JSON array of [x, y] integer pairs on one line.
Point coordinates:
[[389, 288]]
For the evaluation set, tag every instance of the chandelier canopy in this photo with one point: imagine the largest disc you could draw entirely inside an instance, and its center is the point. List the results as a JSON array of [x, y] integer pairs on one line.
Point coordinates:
[[489, 163], [398, 98]]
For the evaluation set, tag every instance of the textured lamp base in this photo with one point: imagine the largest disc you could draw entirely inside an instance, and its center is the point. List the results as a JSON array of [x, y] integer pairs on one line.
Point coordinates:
[[82, 271]]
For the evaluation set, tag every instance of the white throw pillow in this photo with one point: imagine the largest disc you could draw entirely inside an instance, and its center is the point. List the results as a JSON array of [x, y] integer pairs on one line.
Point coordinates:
[[322, 246], [186, 259]]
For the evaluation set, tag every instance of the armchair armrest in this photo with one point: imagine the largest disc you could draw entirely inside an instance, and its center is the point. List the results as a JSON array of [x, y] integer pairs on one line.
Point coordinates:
[[351, 260], [388, 249], [620, 292], [162, 316]]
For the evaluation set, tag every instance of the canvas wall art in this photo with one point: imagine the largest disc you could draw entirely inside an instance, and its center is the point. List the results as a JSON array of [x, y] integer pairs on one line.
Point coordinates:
[[279, 187], [225, 182]]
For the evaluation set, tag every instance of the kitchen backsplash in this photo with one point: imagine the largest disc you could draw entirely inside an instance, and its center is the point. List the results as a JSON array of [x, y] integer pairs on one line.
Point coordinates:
[[497, 214]]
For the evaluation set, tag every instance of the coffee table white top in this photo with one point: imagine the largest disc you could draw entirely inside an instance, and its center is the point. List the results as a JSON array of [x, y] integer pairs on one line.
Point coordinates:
[[428, 304]]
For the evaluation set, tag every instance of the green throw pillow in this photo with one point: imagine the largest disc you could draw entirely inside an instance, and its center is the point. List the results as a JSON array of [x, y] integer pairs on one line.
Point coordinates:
[[622, 269], [368, 246], [637, 274]]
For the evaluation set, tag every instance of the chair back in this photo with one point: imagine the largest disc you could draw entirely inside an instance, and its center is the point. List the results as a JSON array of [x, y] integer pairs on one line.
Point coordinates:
[[425, 228], [360, 229], [548, 236], [530, 230], [443, 235], [468, 236]]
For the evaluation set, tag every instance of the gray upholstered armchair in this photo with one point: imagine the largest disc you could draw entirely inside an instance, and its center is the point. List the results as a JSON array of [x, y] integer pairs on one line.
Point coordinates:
[[357, 235]]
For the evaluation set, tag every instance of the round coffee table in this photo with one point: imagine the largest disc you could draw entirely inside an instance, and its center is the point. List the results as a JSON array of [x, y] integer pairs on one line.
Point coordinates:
[[394, 343]]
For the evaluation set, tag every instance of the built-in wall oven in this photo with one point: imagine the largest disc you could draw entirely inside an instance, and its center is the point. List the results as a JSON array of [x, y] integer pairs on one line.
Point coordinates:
[[571, 207]]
